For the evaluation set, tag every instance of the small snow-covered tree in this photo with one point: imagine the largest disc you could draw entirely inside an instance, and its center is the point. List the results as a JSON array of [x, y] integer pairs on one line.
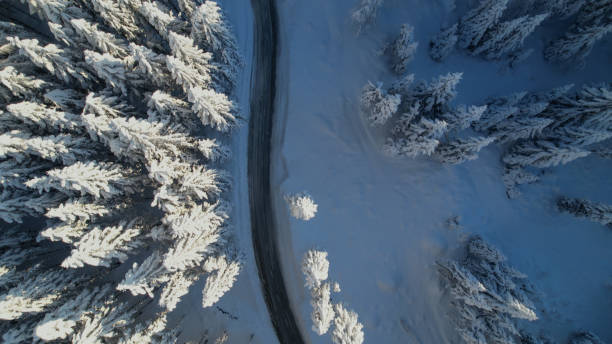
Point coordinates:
[[151, 65], [377, 104], [514, 176], [100, 247], [98, 179], [167, 109], [438, 92], [184, 48], [221, 278], [415, 139], [159, 16], [301, 206], [315, 268], [213, 108], [576, 45], [200, 218], [476, 22], [347, 328], [190, 251], [186, 75], [322, 310], [463, 116], [404, 48], [597, 212], [105, 42], [507, 37], [108, 68], [364, 15], [460, 150], [542, 153], [442, 44]]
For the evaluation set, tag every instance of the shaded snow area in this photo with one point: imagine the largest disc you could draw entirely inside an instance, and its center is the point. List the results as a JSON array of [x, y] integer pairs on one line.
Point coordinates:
[[383, 220]]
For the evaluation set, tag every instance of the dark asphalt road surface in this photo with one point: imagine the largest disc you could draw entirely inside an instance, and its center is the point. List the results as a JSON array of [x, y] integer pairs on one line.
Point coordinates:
[[263, 224]]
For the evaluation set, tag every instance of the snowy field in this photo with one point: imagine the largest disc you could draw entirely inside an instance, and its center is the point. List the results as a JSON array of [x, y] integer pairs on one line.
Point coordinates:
[[382, 220]]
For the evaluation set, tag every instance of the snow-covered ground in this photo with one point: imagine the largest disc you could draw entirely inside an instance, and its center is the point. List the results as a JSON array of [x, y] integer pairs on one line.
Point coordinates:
[[382, 220], [247, 320]]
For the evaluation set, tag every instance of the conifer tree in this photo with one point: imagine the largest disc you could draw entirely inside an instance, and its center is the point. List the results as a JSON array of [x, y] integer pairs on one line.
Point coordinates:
[[221, 278], [37, 116], [415, 139], [576, 45], [436, 93], [507, 37], [463, 116], [177, 286], [322, 310], [213, 108], [364, 15], [404, 48], [142, 278], [476, 22], [150, 65], [64, 232], [460, 150], [347, 328], [104, 42], [118, 17], [66, 149], [442, 44], [597, 212], [100, 180], [315, 267], [377, 104], [542, 153], [77, 209], [519, 128]]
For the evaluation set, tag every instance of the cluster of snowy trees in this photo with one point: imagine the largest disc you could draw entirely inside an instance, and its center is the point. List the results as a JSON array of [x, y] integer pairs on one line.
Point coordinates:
[[424, 121], [102, 144], [546, 129], [497, 29], [347, 328], [488, 296]]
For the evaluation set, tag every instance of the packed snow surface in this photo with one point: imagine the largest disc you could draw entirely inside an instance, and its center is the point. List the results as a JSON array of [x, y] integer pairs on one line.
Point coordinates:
[[382, 220]]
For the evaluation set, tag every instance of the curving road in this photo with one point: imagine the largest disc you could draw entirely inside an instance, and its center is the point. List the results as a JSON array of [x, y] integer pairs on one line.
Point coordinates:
[[263, 225]]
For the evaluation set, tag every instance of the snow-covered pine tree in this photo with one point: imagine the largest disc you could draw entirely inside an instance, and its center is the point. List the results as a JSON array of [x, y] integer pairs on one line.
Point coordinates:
[[578, 136], [364, 15], [14, 206], [98, 179], [190, 251], [102, 246], [60, 323], [542, 154], [402, 86], [322, 310], [167, 109], [416, 139], [498, 110], [461, 150], [105, 42], [66, 149], [597, 212], [594, 13], [40, 117], [66, 99], [212, 31], [377, 104], [177, 286], [507, 37], [110, 319], [403, 48], [77, 209], [438, 92], [64, 232], [443, 44], [143, 278], [315, 268], [184, 49], [186, 75], [110, 69], [200, 218], [514, 176], [546, 96], [221, 278], [214, 151], [463, 116], [476, 22], [118, 17], [214, 109], [519, 128], [150, 65], [589, 108], [53, 59], [347, 328], [13, 174], [576, 45], [487, 294], [21, 85], [301, 206], [36, 292], [161, 18]]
